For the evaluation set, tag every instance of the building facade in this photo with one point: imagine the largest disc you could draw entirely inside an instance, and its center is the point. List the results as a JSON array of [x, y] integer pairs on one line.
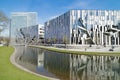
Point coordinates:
[[22, 19], [100, 27], [31, 34]]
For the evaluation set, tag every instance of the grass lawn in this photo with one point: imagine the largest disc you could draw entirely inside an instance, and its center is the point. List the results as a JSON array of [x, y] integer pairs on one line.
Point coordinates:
[[9, 71]]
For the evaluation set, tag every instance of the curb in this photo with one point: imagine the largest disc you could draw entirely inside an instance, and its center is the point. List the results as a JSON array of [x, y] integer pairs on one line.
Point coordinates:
[[12, 60]]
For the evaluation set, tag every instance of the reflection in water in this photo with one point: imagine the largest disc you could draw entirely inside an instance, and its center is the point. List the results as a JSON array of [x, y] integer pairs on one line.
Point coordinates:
[[94, 67], [69, 66], [26, 58], [57, 64], [41, 64]]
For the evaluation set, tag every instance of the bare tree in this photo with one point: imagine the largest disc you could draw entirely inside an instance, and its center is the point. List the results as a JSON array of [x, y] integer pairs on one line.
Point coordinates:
[[3, 21]]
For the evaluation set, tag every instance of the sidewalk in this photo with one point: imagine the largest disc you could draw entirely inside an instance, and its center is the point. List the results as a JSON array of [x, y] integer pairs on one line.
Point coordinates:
[[84, 49]]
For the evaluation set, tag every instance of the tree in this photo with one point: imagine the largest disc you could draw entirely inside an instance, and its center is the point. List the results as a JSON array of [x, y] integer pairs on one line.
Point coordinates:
[[49, 41], [5, 40], [54, 40], [65, 40], [3, 21]]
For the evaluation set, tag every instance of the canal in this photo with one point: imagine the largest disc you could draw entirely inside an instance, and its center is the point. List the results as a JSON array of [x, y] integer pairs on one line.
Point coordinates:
[[68, 66]]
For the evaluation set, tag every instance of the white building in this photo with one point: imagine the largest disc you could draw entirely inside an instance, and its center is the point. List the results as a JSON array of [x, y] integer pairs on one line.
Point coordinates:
[[85, 27], [32, 34]]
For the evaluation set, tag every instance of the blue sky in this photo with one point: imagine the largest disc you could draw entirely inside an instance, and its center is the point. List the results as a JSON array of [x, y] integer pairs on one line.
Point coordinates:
[[48, 9]]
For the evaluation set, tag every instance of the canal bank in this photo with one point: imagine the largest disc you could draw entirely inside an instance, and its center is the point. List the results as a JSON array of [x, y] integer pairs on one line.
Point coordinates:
[[69, 66], [12, 59], [84, 51], [10, 72]]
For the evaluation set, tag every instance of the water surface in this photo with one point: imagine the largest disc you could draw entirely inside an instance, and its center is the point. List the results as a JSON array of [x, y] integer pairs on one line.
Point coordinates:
[[69, 66]]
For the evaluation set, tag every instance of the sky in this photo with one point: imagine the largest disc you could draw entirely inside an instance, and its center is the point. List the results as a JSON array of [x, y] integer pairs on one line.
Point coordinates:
[[48, 9]]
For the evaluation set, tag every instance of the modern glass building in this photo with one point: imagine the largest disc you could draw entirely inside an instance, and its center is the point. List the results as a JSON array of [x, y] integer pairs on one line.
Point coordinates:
[[100, 27], [32, 34], [22, 19]]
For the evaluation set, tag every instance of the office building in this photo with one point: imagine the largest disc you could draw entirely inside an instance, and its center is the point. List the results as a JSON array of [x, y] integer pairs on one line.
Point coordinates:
[[22, 19], [32, 34], [99, 27]]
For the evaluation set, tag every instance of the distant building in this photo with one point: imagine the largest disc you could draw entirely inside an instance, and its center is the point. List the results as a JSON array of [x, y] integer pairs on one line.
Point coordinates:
[[41, 31], [100, 27], [22, 19], [32, 34]]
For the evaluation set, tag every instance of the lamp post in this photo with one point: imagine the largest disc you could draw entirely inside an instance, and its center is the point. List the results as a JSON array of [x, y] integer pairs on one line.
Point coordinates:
[[10, 33]]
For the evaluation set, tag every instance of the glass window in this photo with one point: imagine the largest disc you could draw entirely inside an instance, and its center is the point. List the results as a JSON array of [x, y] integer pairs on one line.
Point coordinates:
[[107, 17], [91, 13], [102, 13], [96, 13]]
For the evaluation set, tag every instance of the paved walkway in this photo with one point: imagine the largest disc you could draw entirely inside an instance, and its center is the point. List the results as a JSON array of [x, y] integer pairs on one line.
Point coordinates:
[[103, 49], [88, 49]]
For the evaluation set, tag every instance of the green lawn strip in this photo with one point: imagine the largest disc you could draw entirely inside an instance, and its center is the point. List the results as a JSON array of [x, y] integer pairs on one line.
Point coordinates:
[[77, 52], [10, 72]]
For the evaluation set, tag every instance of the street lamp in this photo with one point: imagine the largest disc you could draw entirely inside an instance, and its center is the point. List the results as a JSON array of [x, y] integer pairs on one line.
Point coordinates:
[[10, 32]]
